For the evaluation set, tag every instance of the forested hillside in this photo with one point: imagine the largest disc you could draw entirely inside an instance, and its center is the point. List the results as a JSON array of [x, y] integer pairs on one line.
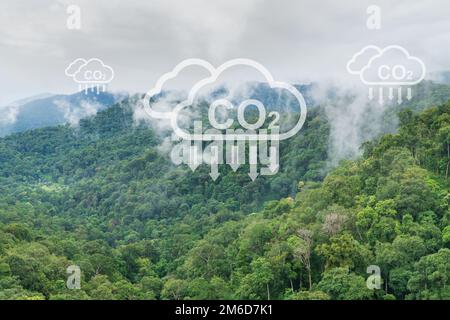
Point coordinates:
[[102, 196], [51, 110]]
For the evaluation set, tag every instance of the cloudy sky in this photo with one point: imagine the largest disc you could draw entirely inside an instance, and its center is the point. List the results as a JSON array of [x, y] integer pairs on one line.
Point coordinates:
[[141, 39]]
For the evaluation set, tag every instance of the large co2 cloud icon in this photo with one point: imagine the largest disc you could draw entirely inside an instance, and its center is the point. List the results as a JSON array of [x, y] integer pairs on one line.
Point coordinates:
[[214, 74]]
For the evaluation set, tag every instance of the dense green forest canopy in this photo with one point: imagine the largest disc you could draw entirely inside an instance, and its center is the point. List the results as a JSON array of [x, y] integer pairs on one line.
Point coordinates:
[[102, 196]]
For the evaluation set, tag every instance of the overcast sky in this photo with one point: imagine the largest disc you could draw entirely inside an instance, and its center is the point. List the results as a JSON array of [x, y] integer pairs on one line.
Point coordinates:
[[295, 40]]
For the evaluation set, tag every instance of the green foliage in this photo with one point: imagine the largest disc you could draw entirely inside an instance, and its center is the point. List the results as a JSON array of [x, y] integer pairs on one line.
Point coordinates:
[[430, 278], [340, 284], [104, 198]]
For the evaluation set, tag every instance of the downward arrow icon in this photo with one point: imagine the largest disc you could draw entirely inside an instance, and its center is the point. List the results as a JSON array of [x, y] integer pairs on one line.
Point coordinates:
[[214, 171], [399, 97], [253, 160], [409, 94], [214, 163]]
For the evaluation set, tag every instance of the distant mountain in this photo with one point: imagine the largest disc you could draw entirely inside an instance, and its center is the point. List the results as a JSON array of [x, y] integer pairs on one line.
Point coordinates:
[[442, 77], [273, 99], [29, 99], [49, 110]]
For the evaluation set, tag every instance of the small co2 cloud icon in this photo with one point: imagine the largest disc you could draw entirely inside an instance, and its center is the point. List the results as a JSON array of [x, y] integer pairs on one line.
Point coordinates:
[[391, 67], [92, 73], [190, 150]]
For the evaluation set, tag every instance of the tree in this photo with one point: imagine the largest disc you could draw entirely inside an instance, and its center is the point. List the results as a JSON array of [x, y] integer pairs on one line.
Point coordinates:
[[333, 223], [308, 295], [399, 256], [256, 285], [301, 246], [206, 260], [344, 251], [340, 284], [431, 277], [175, 289], [446, 235], [100, 288]]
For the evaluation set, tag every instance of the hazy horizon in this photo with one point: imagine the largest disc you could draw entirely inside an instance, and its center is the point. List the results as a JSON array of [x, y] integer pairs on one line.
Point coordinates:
[[305, 41]]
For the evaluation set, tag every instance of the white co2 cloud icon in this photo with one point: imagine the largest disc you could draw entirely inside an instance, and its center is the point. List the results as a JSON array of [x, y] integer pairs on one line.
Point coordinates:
[[254, 134], [390, 66], [214, 75], [92, 73]]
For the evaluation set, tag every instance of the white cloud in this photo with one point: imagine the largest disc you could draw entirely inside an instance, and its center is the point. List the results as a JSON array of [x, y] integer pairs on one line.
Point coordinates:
[[141, 39], [74, 113]]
